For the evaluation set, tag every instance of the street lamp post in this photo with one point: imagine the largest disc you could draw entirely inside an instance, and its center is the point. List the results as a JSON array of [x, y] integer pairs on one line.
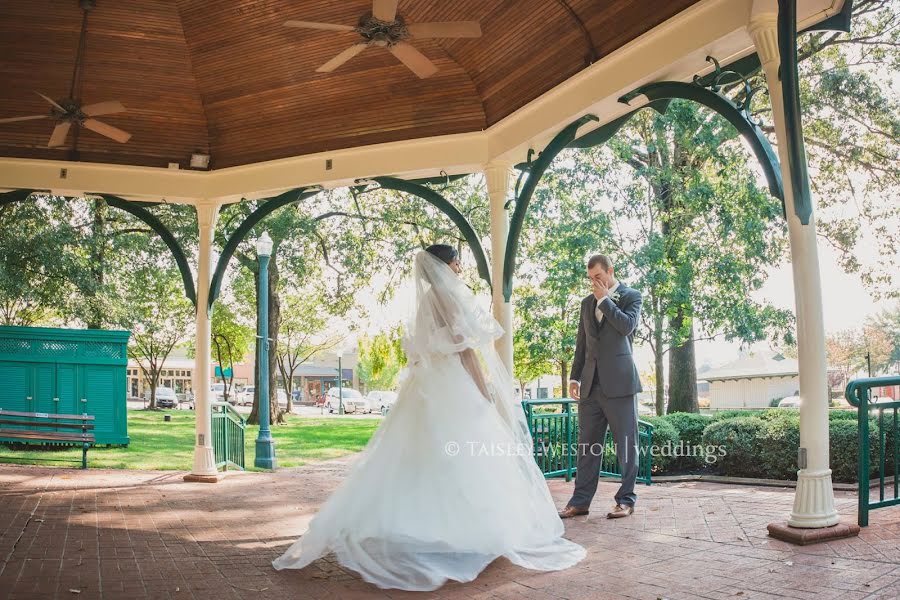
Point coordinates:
[[265, 445], [340, 355]]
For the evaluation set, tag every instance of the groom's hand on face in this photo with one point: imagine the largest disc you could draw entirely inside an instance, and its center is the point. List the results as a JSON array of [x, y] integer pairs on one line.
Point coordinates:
[[600, 289], [574, 390]]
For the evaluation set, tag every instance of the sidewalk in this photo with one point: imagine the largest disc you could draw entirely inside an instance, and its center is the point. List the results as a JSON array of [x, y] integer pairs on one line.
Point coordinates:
[[131, 534]]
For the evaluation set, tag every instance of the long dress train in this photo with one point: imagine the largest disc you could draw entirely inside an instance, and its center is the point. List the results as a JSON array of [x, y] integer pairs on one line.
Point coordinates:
[[446, 485]]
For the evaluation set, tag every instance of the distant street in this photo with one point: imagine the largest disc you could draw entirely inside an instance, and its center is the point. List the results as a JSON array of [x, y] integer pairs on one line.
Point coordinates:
[[300, 411]]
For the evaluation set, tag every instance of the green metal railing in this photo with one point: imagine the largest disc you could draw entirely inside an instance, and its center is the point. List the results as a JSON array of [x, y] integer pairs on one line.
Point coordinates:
[[228, 436], [858, 393], [555, 436]]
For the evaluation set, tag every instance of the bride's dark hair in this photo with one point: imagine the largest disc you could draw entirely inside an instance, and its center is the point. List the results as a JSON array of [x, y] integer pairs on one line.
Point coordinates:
[[445, 252]]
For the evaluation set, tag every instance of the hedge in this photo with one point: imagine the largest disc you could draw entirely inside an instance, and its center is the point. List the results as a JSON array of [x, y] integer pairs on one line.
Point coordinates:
[[761, 444], [664, 436], [689, 427], [766, 445], [774, 413], [845, 450], [739, 438]]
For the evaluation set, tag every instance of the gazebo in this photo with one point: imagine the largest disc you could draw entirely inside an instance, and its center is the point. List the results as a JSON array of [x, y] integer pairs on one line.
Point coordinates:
[[210, 102]]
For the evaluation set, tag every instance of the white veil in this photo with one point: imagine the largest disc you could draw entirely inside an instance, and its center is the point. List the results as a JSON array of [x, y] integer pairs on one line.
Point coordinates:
[[448, 320]]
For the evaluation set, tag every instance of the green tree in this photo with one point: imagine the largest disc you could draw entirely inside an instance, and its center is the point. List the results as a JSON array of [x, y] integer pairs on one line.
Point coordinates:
[[381, 358], [232, 339], [153, 307], [302, 335], [38, 260], [108, 239], [530, 360]]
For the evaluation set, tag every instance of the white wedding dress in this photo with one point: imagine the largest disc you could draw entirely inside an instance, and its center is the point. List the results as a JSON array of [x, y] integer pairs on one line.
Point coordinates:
[[447, 483]]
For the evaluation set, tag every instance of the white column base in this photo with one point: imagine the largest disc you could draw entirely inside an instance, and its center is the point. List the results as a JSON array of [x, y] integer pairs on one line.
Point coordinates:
[[814, 501], [204, 462]]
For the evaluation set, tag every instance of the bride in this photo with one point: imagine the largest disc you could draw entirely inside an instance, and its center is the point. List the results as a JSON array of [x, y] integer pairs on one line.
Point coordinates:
[[448, 482]]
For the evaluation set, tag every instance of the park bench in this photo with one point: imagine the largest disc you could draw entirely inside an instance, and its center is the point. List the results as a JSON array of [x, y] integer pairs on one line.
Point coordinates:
[[47, 428]]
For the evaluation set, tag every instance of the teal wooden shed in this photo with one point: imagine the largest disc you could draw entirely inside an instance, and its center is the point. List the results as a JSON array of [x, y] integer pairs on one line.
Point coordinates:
[[67, 371]]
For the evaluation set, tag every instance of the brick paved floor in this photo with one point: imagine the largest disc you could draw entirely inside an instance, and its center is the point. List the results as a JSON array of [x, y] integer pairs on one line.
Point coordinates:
[[127, 534]]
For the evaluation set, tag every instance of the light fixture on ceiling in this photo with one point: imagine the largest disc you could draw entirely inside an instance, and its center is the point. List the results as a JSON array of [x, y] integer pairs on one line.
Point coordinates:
[[199, 161]]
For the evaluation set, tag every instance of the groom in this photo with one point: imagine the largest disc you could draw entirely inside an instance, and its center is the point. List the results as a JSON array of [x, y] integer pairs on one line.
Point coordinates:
[[604, 380]]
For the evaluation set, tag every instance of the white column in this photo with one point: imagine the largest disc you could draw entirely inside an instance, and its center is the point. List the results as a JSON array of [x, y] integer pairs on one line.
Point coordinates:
[[814, 498], [204, 459], [497, 175]]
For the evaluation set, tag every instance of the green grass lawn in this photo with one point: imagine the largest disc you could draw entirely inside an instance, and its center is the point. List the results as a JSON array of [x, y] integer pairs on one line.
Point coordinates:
[[157, 445]]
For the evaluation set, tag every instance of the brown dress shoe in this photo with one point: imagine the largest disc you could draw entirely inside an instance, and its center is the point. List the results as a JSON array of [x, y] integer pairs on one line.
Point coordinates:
[[620, 511], [572, 511]]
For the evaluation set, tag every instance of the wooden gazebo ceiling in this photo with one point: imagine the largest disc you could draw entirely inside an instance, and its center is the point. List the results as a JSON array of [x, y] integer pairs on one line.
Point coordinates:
[[225, 77]]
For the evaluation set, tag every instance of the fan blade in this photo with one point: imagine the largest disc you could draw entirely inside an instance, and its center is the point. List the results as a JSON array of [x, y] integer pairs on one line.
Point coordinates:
[[325, 26], [455, 29], [417, 62], [32, 118], [341, 58], [103, 108], [384, 10], [51, 101], [58, 137], [108, 130]]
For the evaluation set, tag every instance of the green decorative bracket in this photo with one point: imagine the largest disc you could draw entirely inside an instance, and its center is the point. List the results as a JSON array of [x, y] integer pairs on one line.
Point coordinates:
[[523, 169], [445, 206], [536, 170], [163, 232], [443, 180], [604, 133], [267, 207], [790, 91], [137, 210]]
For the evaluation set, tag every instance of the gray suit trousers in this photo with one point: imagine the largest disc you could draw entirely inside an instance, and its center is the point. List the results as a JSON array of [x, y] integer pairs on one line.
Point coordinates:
[[595, 414]]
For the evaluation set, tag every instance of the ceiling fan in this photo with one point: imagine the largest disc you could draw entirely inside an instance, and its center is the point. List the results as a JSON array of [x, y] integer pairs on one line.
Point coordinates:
[[69, 111], [384, 27]]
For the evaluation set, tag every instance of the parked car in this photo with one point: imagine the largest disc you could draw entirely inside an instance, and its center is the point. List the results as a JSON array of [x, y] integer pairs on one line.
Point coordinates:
[[165, 397], [380, 402], [245, 396], [218, 392], [352, 400], [789, 402]]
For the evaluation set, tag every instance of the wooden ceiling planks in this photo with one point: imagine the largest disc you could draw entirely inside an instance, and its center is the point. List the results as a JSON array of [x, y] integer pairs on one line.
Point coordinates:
[[292, 109], [135, 52], [226, 77]]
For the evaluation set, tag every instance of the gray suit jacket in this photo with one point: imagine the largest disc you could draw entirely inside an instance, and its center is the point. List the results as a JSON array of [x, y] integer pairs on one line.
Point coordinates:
[[604, 349]]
